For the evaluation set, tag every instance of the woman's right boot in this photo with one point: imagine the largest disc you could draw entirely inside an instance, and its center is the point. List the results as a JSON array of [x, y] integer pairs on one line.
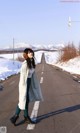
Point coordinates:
[[14, 119]]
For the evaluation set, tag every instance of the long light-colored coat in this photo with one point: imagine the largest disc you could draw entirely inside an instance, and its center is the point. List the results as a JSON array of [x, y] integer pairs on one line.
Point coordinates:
[[34, 91]]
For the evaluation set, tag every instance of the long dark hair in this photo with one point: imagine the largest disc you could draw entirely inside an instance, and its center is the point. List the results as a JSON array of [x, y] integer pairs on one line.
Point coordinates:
[[30, 62]]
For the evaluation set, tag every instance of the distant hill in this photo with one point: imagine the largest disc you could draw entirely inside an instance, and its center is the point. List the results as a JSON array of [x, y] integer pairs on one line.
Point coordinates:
[[21, 46]]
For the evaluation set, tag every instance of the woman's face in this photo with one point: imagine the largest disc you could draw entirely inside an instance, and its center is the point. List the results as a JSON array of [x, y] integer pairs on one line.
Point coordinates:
[[30, 54], [25, 55]]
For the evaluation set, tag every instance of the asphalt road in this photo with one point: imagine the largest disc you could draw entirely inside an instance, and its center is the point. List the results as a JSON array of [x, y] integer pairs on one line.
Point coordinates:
[[58, 113]]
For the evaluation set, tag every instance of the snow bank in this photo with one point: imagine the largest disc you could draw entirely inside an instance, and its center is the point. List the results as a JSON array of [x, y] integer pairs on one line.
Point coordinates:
[[51, 57], [8, 68], [72, 66], [38, 56], [9, 56]]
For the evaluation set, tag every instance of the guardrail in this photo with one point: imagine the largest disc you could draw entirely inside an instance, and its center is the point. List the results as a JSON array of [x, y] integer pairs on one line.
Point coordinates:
[[20, 51]]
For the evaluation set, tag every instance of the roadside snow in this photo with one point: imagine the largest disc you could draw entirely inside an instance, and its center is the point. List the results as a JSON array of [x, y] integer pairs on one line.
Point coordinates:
[[38, 56], [51, 57], [8, 68], [9, 56], [72, 66]]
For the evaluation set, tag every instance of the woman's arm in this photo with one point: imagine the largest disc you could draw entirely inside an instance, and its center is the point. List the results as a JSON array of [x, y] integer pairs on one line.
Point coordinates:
[[23, 73]]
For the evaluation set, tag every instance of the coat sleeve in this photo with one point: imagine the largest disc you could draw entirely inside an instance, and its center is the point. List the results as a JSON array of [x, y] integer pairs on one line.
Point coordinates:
[[23, 86], [23, 73]]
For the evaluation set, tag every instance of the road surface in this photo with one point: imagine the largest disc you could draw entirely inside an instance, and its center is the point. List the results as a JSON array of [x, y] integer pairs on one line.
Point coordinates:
[[58, 113]]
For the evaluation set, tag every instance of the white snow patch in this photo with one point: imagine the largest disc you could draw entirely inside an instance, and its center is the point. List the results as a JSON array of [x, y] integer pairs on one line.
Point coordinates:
[[72, 66]]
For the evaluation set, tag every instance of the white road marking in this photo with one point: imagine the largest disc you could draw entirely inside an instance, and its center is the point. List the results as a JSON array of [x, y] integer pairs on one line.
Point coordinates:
[[12, 82], [41, 81], [34, 112], [34, 115], [43, 68], [42, 73]]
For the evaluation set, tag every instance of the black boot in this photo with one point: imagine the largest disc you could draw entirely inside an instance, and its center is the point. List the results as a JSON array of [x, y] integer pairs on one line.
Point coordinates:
[[28, 120], [14, 119]]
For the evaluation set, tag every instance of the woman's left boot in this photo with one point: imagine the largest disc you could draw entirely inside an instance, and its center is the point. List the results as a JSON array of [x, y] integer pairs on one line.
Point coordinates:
[[14, 119], [28, 120]]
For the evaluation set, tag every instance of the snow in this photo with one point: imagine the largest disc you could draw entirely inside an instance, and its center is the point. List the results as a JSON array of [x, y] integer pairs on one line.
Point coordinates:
[[8, 67], [72, 66], [38, 56], [10, 56], [23, 45], [51, 57]]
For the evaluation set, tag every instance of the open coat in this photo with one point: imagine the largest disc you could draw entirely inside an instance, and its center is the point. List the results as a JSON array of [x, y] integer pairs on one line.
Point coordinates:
[[34, 90]]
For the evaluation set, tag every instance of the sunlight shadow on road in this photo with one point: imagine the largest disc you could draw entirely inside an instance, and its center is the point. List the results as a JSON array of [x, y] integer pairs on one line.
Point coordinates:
[[68, 109]]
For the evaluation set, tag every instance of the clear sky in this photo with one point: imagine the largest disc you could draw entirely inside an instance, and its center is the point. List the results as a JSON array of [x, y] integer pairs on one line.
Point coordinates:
[[38, 21]]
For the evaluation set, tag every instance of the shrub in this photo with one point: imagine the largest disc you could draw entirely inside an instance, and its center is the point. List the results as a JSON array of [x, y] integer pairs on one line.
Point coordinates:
[[68, 52]]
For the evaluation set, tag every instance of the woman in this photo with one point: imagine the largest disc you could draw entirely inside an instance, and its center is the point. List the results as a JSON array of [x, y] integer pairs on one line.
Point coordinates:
[[29, 87]]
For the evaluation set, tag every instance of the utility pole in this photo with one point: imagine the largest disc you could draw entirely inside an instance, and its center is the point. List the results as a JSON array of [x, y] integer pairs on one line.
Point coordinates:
[[13, 50]]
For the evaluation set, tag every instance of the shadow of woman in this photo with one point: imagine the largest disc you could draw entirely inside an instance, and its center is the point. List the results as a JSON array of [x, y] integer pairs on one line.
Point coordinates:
[[68, 109]]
